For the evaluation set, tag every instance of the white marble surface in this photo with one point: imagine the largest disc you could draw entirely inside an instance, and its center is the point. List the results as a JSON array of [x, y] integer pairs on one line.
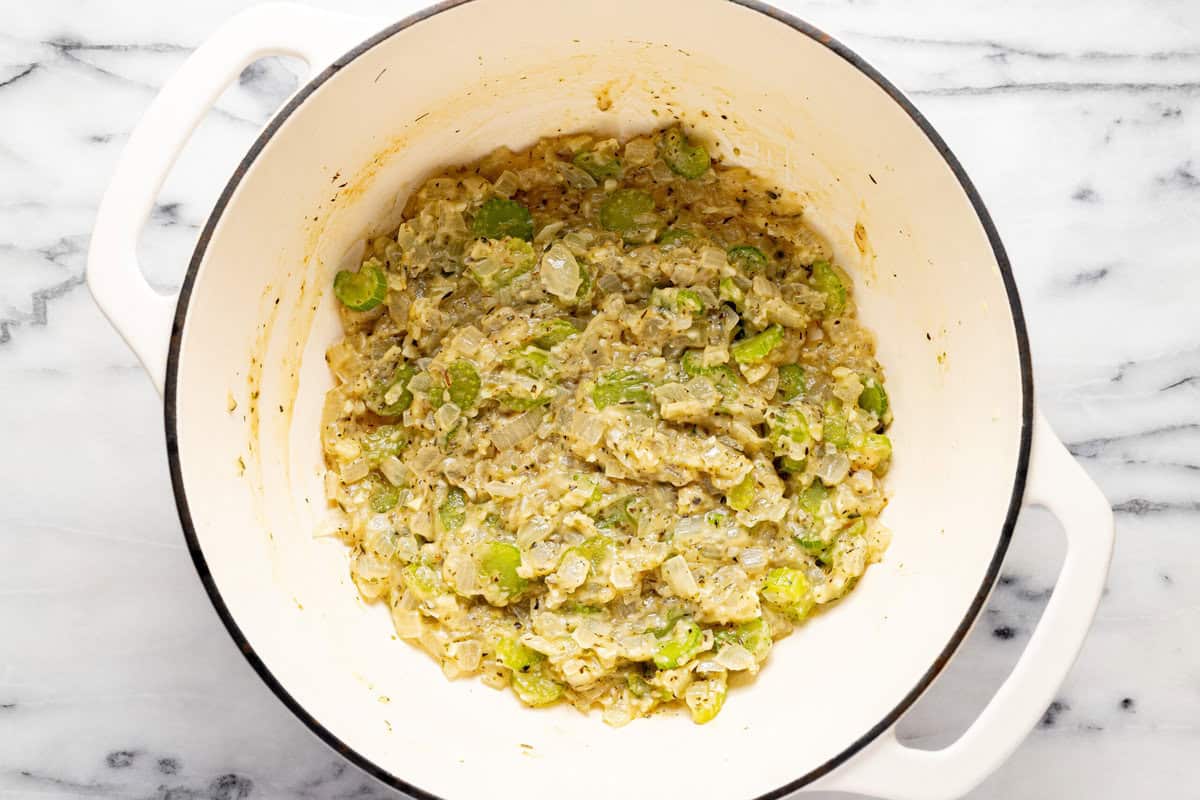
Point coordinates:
[[1081, 128]]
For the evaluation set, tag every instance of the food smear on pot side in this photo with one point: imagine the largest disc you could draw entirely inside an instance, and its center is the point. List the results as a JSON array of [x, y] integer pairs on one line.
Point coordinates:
[[604, 426]]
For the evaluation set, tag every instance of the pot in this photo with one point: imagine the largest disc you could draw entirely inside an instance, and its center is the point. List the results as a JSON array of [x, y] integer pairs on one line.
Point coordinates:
[[239, 356]]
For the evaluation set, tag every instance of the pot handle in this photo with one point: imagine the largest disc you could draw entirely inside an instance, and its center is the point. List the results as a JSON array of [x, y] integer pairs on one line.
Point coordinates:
[[886, 768], [140, 314]]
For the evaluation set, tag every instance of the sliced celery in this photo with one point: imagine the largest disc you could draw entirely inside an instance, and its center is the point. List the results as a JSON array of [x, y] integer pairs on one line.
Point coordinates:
[[464, 383], [498, 218], [754, 349], [826, 281], [788, 590], [684, 157], [452, 513]]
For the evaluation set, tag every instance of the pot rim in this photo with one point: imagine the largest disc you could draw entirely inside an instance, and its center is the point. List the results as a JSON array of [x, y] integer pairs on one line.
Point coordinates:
[[799, 26]]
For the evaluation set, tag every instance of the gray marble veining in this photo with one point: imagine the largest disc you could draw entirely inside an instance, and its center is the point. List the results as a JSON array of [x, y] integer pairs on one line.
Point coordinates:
[[1079, 123]]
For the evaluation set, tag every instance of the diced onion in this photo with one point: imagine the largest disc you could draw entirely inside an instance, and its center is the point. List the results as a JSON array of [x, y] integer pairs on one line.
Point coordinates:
[[501, 489], [518, 430], [575, 177], [407, 623], [467, 653], [571, 574], [507, 184], [713, 258], [734, 657], [425, 458], [468, 340], [355, 471], [679, 577], [752, 558], [609, 283], [542, 557], [560, 272], [534, 530], [370, 567], [833, 468], [548, 232], [447, 415], [394, 471], [639, 152]]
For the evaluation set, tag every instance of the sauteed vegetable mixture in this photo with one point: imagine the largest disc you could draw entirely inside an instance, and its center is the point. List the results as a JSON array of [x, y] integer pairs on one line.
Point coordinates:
[[604, 426]]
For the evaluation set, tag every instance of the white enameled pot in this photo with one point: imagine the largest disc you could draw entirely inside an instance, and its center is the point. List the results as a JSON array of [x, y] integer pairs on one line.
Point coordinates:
[[389, 105]]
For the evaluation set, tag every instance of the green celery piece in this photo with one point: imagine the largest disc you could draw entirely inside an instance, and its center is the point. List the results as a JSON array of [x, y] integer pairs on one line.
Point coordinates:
[[741, 497], [532, 361], [826, 281], [453, 511], [721, 375], [377, 403], [685, 642], [674, 614], [581, 608], [684, 157], [755, 636], [754, 349], [362, 290], [873, 397], [706, 706], [638, 685], [812, 497], [791, 382], [513, 403], [498, 218], [383, 497], [693, 364], [617, 515], [626, 386], [553, 332], [585, 284], [716, 517], [464, 384], [673, 237], [834, 425], [383, 441], [689, 301], [815, 546], [788, 590], [789, 423], [516, 656], [627, 210], [598, 165], [517, 257], [730, 292], [424, 580], [792, 466], [724, 636], [535, 689], [596, 550], [498, 565], [878, 450], [747, 259]]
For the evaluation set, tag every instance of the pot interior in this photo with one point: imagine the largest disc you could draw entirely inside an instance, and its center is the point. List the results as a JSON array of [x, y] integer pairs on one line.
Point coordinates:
[[448, 89]]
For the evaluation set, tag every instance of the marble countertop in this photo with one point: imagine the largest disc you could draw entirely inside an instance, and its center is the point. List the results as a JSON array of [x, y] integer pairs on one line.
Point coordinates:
[[1082, 132]]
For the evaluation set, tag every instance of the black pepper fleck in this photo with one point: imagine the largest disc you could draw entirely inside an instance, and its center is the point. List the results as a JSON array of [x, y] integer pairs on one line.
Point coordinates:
[[1050, 718]]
